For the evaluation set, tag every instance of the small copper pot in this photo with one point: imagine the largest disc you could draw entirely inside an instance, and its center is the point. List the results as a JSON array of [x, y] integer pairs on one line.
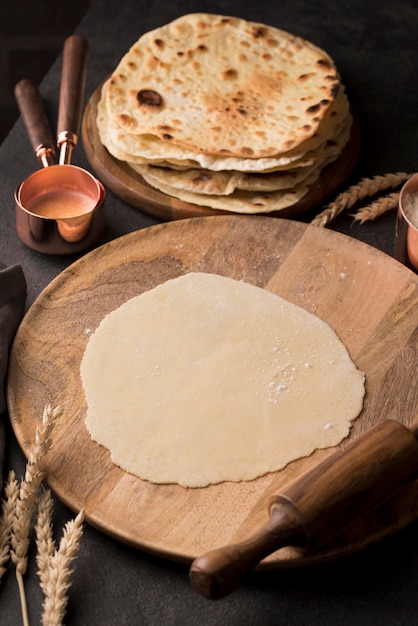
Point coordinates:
[[406, 237], [59, 209]]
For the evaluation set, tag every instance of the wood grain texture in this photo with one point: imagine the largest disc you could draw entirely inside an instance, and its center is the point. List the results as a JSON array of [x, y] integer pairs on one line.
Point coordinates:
[[130, 186], [368, 298]]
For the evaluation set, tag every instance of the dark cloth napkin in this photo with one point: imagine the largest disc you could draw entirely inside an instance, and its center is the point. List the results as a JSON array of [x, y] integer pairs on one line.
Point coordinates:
[[12, 306]]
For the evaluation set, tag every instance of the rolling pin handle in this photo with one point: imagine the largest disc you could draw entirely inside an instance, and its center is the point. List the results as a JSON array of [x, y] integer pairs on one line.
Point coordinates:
[[218, 572]]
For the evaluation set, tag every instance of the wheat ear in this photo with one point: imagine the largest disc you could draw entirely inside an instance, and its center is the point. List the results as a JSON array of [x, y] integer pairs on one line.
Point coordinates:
[[57, 572], [367, 187], [25, 503], [44, 537], [8, 511], [377, 208]]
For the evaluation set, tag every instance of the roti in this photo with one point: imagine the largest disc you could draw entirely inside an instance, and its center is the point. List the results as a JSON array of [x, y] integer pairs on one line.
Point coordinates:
[[223, 85], [225, 113], [149, 148], [238, 201], [206, 379], [221, 183], [193, 184]]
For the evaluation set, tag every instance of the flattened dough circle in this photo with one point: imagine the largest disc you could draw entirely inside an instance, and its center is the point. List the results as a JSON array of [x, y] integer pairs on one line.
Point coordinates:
[[206, 379]]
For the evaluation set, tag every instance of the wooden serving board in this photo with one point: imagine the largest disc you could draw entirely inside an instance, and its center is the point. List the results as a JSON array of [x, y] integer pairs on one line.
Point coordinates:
[[369, 299], [131, 187]]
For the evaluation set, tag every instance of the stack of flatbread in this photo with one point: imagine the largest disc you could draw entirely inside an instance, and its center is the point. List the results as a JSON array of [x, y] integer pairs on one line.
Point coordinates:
[[225, 113]]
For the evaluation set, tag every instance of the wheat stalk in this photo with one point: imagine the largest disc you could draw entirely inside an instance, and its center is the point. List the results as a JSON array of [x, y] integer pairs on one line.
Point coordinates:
[[17, 511], [56, 572], [44, 537], [25, 502], [377, 208], [28, 491], [365, 188], [8, 511]]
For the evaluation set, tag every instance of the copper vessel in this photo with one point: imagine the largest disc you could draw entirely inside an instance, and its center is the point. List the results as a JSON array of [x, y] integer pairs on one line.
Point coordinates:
[[406, 237], [59, 209]]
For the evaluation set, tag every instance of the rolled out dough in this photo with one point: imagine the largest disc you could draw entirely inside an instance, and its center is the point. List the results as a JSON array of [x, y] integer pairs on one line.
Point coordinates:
[[206, 379]]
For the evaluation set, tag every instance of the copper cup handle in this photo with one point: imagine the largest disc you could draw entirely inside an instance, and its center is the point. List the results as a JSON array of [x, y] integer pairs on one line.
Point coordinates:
[[35, 118], [73, 76]]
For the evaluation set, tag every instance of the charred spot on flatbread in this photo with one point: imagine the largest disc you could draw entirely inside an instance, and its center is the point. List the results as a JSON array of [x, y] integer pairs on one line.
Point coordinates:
[[149, 97]]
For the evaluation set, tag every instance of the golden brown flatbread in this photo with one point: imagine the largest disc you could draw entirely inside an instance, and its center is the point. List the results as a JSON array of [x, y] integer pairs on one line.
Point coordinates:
[[151, 149], [225, 113], [239, 201], [222, 85]]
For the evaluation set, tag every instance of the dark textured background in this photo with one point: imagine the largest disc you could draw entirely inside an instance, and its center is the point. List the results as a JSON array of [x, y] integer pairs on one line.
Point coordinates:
[[32, 33], [375, 47]]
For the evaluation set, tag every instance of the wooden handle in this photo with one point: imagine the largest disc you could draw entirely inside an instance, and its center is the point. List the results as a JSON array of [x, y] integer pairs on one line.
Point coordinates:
[[35, 118], [73, 76], [218, 572], [319, 504]]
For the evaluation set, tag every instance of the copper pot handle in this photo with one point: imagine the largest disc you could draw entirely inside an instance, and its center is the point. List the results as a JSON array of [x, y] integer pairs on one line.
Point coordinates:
[[73, 76], [35, 118]]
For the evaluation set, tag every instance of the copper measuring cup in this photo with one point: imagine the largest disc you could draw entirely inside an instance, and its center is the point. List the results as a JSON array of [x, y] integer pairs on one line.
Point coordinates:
[[59, 209], [406, 237]]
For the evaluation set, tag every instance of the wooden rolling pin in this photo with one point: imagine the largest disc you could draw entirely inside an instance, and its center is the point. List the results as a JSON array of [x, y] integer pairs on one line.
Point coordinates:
[[318, 505]]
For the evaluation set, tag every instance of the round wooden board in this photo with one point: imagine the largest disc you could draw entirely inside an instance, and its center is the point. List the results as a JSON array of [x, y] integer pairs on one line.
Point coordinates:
[[367, 297], [130, 187]]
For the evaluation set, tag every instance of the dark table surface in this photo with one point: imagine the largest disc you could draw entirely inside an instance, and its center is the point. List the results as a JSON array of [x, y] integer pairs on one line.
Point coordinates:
[[375, 47]]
